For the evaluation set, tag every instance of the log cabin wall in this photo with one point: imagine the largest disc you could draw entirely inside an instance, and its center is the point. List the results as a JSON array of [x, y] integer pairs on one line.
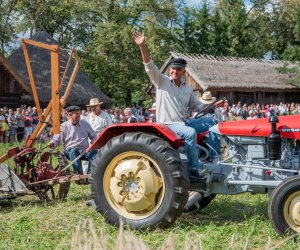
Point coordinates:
[[10, 90]]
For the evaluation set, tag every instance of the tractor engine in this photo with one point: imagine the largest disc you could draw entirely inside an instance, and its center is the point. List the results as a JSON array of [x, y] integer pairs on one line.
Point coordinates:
[[250, 150], [247, 160], [290, 155]]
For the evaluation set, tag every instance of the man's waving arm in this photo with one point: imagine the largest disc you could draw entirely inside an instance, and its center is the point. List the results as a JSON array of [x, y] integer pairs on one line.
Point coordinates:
[[154, 73]]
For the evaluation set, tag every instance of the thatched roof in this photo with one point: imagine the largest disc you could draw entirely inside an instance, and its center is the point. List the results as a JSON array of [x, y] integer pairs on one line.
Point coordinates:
[[234, 73], [15, 75], [83, 89]]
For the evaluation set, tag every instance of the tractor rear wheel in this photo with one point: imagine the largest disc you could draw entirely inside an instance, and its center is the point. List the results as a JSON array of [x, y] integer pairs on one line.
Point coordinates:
[[284, 206], [197, 201], [139, 178]]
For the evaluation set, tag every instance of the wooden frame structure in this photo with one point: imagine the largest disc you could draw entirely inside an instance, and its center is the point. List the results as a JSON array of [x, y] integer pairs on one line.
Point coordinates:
[[53, 110]]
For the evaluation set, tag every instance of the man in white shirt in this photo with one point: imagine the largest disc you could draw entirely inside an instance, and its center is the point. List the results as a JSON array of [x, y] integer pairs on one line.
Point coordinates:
[[175, 101], [98, 119]]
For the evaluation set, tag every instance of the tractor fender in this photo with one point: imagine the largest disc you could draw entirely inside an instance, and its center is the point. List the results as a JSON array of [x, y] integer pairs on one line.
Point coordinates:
[[159, 129]]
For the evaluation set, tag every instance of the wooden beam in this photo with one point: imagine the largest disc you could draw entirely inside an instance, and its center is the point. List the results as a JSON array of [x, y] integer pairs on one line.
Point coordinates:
[[72, 79], [41, 45], [55, 92], [33, 88]]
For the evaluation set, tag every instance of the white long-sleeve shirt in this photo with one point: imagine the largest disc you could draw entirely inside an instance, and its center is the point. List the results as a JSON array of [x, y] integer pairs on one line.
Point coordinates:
[[100, 122], [174, 104]]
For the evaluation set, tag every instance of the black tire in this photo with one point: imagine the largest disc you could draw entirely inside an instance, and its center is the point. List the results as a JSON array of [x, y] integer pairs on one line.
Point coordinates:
[[197, 202], [173, 176], [280, 206]]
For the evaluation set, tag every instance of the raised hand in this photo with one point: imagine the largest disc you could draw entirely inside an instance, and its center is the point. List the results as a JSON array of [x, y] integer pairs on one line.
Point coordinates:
[[138, 37]]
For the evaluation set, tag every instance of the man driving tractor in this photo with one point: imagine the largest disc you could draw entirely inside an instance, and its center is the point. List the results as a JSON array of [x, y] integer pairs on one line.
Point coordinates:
[[175, 101]]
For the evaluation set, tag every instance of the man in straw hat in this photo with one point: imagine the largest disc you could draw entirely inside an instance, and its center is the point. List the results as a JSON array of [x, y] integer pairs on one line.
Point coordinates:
[[98, 119], [175, 101], [208, 99], [74, 134]]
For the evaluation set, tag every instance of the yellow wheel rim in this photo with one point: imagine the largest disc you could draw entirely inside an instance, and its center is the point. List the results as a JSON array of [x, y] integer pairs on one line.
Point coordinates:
[[133, 185], [292, 211]]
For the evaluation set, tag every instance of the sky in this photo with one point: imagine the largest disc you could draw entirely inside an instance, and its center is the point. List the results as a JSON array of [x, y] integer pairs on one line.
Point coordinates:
[[198, 2]]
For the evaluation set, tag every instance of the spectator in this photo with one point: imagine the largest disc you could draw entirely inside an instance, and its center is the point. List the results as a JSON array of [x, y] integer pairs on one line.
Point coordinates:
[[20, 122], [239, 109], [35, 119], [5, 112], [27, 125], [83, 114], [116, 116], [140, 115], [252, 115], [98, 119], [152, 116], [3, 127], [12, 123], [123, 118], [244, 111], [129, 115]]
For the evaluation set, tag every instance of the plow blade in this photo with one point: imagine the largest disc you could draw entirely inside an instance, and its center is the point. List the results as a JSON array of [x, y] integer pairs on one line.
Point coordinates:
[[10, 185]]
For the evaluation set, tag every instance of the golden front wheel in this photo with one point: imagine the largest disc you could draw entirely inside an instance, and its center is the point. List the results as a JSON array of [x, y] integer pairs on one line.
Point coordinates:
[[139, 179], [134, 185]]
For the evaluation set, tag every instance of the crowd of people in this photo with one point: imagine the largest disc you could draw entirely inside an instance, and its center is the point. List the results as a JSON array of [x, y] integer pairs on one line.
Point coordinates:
[[244, 111], [17, 124]]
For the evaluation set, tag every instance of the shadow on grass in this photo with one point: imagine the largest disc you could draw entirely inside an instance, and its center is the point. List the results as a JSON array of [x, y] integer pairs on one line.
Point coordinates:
[[223, 211], [7, 206]]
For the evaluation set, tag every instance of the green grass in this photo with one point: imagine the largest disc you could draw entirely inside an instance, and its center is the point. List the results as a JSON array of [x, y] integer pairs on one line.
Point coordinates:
[[234, 222]]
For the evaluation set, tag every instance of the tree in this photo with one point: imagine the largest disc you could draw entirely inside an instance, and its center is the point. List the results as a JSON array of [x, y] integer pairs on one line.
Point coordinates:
[[7, 25], [30, 12], [113, 60]]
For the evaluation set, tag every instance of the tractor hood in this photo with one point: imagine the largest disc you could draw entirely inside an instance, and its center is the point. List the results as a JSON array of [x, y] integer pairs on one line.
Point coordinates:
[[288, 126]]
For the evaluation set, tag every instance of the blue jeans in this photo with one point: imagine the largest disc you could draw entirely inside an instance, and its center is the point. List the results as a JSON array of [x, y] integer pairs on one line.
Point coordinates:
[[203, 124], [72, 153], [189, 133]]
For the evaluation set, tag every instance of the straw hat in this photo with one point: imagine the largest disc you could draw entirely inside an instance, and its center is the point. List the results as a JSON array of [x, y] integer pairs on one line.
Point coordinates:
[[206, 98], [94, 102], [153, 106]]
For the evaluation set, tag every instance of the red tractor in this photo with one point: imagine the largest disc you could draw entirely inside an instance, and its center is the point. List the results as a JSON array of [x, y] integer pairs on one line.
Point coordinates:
[[140, 175]]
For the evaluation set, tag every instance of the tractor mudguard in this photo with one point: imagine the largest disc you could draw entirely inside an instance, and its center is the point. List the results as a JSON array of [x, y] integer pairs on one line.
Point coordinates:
[[159, 129]]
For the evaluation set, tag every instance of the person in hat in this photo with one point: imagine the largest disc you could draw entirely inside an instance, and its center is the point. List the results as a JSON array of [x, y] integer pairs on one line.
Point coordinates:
[[175, 100], [98, 119], [74, 134], [207, 99], [152, 116]]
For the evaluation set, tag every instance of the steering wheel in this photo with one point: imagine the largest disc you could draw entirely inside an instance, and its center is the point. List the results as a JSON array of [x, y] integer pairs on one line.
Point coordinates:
[[208, 108]]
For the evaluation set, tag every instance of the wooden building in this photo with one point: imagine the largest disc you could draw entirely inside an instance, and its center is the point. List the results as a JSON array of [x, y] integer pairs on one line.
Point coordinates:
[[83, 89], [12, 86], [238, 79]]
